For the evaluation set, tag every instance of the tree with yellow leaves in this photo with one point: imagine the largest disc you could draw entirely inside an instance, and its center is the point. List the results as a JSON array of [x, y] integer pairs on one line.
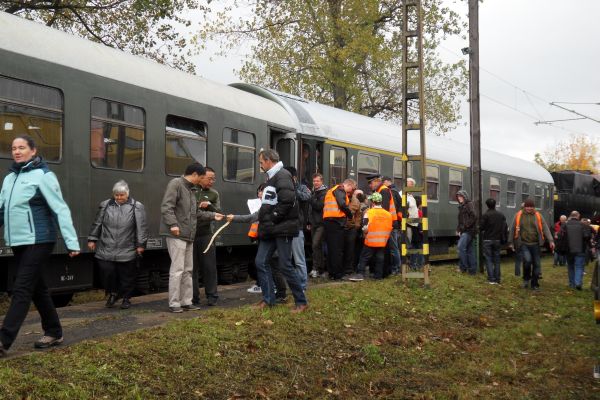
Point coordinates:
[[578, 153]]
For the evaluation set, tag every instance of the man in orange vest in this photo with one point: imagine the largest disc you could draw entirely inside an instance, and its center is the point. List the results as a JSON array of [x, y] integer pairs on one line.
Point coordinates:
[[377, 225], [529, 232], [388, 204], [335, 214]]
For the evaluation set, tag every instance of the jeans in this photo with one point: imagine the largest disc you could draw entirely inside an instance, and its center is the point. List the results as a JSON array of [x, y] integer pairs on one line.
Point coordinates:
[[266, 248], [531, 263], [466, 254], [300, 258], [317, 248], [29, 285], [392, 246], [334, 235], [518, 262], [491, 251], [118, 277], [575, 263], [205, 265], [365, 256], [559, 258], [180, 272]]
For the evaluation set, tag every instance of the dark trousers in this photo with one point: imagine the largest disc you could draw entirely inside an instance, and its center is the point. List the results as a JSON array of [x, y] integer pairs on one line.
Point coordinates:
[[205, 265], [317, 234], [118, 277], [30, 286], [365, 256], [266, 249], [349, 250], [531, 263], [334, 236], [491, 251]]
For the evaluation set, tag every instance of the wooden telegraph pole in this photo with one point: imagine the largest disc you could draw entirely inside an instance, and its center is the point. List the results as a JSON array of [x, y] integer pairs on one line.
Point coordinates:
[[473, 51]]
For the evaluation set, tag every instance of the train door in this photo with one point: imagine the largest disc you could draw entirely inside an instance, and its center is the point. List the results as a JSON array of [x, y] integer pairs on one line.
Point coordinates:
[[285, 144], [310, 159]]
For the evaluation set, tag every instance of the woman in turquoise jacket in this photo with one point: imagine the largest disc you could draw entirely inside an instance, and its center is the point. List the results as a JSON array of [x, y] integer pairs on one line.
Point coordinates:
[[31, 205]]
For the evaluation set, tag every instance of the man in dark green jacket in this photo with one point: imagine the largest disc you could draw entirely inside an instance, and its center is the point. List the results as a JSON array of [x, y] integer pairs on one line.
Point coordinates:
[[209, 206]]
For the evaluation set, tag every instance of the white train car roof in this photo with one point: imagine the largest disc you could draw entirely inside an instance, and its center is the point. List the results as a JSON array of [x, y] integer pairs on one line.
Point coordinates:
[[35, 40], [339, 125]]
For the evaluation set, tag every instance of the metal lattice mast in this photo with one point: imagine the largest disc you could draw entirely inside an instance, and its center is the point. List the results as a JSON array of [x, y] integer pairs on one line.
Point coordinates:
[[413, 121]]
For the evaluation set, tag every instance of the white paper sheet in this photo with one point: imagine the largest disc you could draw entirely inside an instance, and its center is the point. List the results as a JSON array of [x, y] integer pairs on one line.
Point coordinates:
[[254, 205]]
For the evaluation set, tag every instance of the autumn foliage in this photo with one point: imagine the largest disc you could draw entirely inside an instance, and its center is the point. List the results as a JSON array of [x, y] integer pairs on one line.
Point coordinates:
[[577, 153]]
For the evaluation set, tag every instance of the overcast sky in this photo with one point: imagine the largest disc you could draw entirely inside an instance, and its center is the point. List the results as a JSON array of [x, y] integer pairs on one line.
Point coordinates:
[[532, 52]]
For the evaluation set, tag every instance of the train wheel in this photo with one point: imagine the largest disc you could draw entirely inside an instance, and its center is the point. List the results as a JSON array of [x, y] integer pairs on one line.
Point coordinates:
[[62, 300]]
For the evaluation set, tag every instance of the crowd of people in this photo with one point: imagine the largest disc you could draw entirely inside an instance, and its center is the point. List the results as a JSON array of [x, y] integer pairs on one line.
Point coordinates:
[[352, 236]]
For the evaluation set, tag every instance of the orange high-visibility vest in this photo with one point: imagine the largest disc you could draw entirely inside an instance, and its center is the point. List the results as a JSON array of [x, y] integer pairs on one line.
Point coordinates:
[[330, 206], [540, 225], [253, 232], [392, 208], [379, 228]]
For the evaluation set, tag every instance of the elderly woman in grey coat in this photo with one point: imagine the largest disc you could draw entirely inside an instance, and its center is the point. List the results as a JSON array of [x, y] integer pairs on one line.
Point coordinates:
[[118, 235]]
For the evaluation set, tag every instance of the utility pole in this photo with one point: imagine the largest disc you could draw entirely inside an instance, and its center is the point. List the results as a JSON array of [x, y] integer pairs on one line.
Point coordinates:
[[474, 113]]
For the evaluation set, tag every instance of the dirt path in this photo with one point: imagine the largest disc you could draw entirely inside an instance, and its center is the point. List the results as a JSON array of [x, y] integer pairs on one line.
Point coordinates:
[[92, 320]]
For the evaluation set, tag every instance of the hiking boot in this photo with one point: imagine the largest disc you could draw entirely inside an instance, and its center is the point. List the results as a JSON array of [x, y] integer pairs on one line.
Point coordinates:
[[176, 309], [212, 301], [125, 304], [190, 307], [299, 308], [47, 341], [356, 278], [110, 302], [254, 289]]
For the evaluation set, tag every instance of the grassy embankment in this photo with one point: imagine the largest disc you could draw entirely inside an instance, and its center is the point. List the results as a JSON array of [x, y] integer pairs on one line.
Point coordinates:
[[462, 338]]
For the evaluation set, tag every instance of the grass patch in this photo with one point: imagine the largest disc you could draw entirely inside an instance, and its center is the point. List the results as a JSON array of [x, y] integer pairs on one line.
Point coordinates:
[[460, 339]]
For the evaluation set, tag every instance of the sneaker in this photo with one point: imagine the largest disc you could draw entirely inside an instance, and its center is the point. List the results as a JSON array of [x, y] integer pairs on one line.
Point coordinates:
[[299, 308], [47, 341], [493, 283], [314, 273], [176, 309], [212, 301], [356, 278], [190, 307], [254, 289], [535, 288], [125, 304], [110, 302]]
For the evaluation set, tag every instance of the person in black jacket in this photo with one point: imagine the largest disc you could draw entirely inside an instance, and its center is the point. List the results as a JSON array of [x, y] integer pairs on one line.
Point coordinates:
[[277, 225], [578, 237], [494, 232], [466, 230], [315, 223]]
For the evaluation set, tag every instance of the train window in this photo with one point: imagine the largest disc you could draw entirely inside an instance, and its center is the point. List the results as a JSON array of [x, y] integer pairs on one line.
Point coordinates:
[[433, 182], [495, 189], [511, 193], [455, 182], [35, 110], [239, 160], [367, 164], [117, 136], [537, 198], [185, 143], [398, 172], [524, 191], [337, 165]]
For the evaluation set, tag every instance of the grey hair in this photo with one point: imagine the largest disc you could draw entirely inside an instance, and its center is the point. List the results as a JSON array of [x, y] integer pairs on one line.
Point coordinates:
[[121, 187], [411, 180], [269, 154]]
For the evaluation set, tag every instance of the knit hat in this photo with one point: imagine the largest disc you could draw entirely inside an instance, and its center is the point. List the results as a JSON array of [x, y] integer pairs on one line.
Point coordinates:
[[529, 203], [376, 197]]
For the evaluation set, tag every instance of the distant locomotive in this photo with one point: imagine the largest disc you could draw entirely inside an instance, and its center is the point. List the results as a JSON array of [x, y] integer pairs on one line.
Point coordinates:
[[100, 115], [576, 191]]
